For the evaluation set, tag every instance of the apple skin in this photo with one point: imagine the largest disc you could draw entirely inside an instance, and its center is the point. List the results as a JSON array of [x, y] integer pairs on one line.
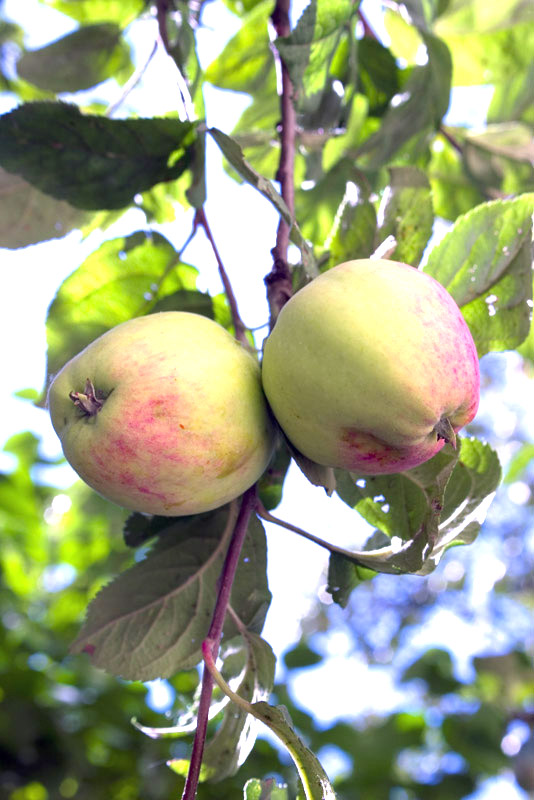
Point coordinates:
[[184, 426], [365, 361]]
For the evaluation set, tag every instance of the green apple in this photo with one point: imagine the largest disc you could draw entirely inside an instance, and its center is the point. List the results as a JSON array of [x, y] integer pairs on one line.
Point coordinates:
[[164, 414], [371, 368]]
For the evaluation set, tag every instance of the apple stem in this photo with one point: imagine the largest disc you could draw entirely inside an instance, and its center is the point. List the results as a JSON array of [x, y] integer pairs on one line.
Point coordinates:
[[444, 430], [213, 638], [87, 400]]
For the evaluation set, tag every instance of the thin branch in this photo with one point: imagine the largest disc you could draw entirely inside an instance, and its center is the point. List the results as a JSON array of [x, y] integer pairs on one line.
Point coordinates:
[[162, 8], [367, 30], [452, 140], [213, 638], [239, 327], [130, 84], [332, 548], [278, 282]]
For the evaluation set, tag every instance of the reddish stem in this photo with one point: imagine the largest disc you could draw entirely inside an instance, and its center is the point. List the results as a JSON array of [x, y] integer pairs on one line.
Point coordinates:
[[213, 638], [239, 327], [367, 30], [278, 282]]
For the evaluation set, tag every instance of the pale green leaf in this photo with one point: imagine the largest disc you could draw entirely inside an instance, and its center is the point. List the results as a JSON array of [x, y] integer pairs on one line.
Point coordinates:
[[79, 60]]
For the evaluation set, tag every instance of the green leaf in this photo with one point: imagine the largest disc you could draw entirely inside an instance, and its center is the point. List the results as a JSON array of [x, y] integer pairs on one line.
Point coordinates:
[[314, 779], [485, 263], [124, 278], [477, 737], [519, 463], [246, 61], [354, 231], [309, 49], [478, 15], [29, 216], [91, 161], [494, 57], [268, 789], [513, 99], [435, 668], [122, 12], [271, 483], [79, 60], [418, 509], [235, 156], [378, 74], [420, 107], [151, 620], [344, 576], [453, 192], [250, 661], [406, 213]]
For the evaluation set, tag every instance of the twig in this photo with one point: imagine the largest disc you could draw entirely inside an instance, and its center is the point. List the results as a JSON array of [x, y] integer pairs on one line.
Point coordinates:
[[162, 7], [213, 638], [367, 30], [452, 140], [130, 84], [332, 548], [278, 282], [239, 327]]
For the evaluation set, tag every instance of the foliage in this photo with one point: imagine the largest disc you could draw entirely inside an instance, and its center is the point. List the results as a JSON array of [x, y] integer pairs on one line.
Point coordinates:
[[375, 162]]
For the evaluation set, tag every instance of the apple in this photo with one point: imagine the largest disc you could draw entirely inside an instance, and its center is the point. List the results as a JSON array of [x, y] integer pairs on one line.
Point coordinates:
[[164, 414], [371, 368]]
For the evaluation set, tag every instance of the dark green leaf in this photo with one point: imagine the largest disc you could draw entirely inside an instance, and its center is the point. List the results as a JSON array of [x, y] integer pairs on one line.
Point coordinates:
[[271, 483], [344, 575], [151, 620], [435, 668], [485, 263], [79, 60], [415, 508], [406, 213], [513, 99], [91, 161], [421, 106], [477, 737]]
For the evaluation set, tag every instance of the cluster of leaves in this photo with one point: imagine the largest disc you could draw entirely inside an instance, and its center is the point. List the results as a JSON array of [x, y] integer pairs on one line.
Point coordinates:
[[374, 160]]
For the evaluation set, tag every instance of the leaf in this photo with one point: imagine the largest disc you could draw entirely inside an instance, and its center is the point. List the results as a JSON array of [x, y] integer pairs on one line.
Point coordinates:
[[314, 779], [478, 15], [246, 60], [82, 59], [29, 216], [453, 192], [234, 154], [151, 620], [309, 49], [124, 278], [421, 105], [425, 510], [513, 99], [253, 667], [354, 231], [489, 58], [91, 161], [268, 789], [485, 263], [344, 576], [271, 483], [121, 12], [435, 668], [406, 213]]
